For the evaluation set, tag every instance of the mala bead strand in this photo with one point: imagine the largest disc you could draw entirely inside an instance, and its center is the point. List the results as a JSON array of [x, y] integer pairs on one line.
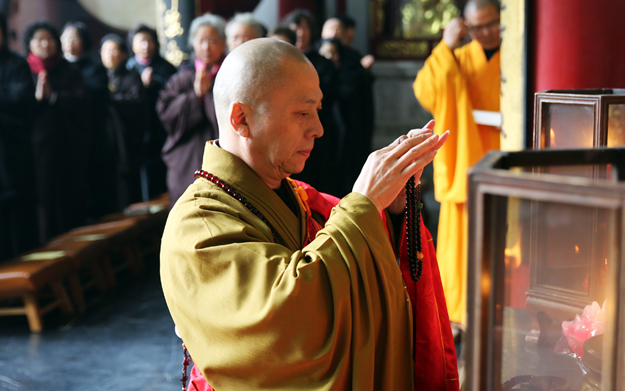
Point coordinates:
[[228, 189], [413, 229], [409, 224], [185, 365], [417, 228]]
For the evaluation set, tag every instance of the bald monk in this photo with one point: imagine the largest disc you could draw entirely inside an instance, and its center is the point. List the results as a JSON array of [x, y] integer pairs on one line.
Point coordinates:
[[453, 82], [264, 295]]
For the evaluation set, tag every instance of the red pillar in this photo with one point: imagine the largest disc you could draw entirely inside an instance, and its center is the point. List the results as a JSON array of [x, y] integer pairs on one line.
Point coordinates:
[[579, 44]]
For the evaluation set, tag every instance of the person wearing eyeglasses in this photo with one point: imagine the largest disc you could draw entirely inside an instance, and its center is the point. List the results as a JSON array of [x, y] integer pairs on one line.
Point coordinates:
[[454, 82]]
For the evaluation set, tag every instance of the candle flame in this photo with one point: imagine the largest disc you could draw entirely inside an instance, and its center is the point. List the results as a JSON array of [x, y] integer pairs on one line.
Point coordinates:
[[552, 138], [513, 254], [485, 284], [576, 249]]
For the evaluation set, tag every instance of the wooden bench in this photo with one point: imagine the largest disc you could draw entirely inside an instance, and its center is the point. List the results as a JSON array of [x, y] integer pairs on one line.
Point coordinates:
[[81, 256], [111, 236], [89, 254], [27, 278], [150, 217]]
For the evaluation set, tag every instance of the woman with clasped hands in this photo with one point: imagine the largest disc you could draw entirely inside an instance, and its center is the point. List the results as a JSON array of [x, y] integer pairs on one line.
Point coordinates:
[[185, 106]]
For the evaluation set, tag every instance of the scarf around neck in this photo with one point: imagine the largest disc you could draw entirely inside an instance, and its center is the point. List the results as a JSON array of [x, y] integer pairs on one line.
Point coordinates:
[[210, 73], [37, 64], [143, 61]]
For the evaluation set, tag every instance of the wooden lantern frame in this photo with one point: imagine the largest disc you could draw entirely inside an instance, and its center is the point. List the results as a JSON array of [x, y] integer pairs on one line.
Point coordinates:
[[491, 183], [598, 99]]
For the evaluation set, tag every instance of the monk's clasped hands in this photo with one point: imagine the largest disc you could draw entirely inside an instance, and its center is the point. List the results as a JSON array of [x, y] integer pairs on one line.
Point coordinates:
[[387, 170]]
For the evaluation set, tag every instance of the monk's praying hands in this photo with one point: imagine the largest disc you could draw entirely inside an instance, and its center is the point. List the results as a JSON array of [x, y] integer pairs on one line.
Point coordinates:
[[387, 170]]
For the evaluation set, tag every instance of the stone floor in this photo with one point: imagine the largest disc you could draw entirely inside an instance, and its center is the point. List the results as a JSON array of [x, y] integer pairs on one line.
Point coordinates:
[[123, 341]]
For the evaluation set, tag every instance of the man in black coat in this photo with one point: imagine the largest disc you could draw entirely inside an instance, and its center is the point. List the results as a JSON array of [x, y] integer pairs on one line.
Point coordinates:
[[18, 225]]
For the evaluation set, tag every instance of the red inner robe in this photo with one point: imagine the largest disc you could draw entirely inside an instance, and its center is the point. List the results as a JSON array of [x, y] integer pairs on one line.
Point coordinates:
[[436, 367]]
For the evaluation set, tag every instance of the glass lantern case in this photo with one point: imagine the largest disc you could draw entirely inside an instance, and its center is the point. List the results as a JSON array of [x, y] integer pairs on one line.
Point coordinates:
[[546, 286], [579, 118]]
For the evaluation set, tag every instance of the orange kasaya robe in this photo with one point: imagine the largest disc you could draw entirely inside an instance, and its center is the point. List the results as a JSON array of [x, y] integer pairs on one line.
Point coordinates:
[[436, 366], [450, 86]]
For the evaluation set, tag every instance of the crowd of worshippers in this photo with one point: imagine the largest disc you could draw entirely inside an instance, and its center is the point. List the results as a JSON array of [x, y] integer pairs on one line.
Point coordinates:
[[83, 135]]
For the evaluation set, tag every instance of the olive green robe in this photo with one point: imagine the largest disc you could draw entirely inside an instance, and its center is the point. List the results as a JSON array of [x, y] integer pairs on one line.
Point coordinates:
[[258, 315]]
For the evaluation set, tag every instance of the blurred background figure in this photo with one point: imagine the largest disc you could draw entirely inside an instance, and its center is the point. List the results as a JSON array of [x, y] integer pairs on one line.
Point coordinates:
[[283, 33], [321, 169], [330, 49], [347, 38], [126, 120], [155, 71], [332, 28], [18, 220], [76, 46], [241, 28], [354, 109], [60, 144], [455, 80], [185, 105]]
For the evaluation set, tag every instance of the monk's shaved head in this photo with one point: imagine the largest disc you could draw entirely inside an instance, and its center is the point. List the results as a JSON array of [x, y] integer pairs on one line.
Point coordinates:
[[267, 98], [474, 5], [251, 73]]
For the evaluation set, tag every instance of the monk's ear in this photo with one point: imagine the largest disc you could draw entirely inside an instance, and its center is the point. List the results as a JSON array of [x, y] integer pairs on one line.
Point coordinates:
[[238, 119]]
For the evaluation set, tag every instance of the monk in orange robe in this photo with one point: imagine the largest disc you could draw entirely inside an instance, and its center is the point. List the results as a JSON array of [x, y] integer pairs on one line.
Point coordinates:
[[453, 82]]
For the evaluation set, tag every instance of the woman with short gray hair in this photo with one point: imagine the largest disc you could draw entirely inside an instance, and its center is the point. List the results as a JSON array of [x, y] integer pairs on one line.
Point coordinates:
[[185, 106], [242, 28], [214, 21]]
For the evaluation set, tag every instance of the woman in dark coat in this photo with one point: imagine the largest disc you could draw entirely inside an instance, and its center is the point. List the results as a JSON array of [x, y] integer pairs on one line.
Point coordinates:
[[76, 45], [18, 221], [155, 72], [59, 134], [186, 104], [126, 122]]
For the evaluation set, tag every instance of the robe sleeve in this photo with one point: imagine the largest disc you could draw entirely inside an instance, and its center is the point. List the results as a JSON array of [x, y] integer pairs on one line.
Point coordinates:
[[178, 108], [432, 80], [441, 88], [255, 315], [436, 366]]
